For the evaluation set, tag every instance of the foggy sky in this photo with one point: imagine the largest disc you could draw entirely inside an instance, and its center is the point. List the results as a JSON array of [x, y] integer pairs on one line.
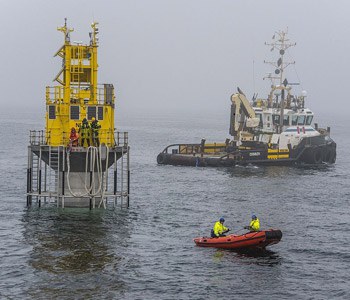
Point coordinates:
[[179, 55]]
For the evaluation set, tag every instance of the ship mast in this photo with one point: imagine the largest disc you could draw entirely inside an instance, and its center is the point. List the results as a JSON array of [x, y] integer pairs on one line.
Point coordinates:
[[281, 43]]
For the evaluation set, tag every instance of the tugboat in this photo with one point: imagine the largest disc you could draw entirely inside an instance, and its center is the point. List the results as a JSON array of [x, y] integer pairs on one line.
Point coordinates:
[[69, 163], [273, 131]]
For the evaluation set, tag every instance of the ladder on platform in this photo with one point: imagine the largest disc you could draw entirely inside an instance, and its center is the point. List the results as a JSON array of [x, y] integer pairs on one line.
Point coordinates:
[[35, 172], [54, 170], [124, 179]]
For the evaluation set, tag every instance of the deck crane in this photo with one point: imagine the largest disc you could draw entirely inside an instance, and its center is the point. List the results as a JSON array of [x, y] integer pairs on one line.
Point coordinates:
[[243, 117]]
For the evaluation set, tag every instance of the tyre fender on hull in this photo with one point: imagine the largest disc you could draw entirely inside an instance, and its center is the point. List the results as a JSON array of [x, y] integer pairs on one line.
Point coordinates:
[[161, 159], [329, 155], [333, 156], [326, 154], [317, 156]]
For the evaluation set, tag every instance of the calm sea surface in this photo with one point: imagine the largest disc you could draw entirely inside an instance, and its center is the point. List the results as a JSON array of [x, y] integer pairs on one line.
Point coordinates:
[[147, 252]]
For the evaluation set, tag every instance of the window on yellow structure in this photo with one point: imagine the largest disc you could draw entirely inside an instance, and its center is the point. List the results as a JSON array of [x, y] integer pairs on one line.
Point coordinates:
[[100, 113], [52, 112], [91, 112], [74, 112]]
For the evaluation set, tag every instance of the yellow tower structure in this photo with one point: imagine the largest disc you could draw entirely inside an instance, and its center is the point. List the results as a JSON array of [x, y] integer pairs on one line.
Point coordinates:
[[73, 167], [78, 94]]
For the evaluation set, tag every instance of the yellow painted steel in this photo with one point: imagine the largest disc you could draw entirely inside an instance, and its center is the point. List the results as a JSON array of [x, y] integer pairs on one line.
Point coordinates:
[[78, 94], [208, 148], [214, 148], [277, 153]]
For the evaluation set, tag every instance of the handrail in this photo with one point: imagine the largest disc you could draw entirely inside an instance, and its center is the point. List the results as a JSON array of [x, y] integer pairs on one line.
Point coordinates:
[[55, 95], [173, 145], [111, 137], [36, 137], [195, 148]]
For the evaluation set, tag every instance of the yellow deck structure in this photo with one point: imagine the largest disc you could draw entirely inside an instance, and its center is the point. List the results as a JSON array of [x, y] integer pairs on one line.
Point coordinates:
[[78, 94]]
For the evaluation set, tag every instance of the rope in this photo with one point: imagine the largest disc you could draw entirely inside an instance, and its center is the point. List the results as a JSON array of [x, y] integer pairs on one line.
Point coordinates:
[[104, 179], [68, 176], [95, 154], [94, 157], [238, 230]]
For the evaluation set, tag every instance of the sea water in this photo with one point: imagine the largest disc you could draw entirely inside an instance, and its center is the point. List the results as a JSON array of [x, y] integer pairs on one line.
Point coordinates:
[[147, 251]]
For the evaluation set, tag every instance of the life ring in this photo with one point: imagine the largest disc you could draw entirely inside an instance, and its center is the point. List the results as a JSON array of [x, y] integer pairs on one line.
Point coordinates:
[[317, 156]]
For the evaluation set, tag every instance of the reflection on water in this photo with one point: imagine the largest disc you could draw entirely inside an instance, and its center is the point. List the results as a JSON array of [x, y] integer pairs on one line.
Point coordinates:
[[262, 257], [276, 171], [76, 243], [258, 171]]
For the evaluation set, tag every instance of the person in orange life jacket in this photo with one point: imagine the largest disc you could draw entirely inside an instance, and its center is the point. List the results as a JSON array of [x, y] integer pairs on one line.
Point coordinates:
[[73, 138], [219, 229], [254, 224]]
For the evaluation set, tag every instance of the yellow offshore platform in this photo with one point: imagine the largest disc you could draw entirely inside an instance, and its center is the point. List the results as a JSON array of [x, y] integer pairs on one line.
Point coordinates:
[[78, 96], [77, 174]]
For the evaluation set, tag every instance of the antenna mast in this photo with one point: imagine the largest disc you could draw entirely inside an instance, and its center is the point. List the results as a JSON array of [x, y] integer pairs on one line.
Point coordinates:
[[281, 43]]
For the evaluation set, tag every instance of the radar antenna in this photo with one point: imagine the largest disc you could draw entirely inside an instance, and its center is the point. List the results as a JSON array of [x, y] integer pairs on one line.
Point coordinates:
[[281, 43]]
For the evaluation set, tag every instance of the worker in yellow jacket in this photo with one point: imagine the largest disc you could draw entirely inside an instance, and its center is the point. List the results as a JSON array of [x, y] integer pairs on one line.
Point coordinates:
[[254, 224], [219, 229]]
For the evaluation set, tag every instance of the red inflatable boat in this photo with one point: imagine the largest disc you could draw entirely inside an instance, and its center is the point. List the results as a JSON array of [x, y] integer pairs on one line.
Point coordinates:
[[250, 240]]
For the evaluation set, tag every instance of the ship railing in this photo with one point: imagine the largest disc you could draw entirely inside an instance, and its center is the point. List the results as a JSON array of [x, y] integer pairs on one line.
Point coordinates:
[[193, 149], [37, 137], [183, 149], [311, 142]]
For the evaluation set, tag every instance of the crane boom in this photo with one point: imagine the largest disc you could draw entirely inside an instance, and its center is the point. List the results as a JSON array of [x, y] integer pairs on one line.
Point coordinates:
[[242, 114]]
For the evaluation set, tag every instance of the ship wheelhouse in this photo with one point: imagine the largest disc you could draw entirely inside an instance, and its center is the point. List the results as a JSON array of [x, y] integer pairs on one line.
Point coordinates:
[[269, 119]]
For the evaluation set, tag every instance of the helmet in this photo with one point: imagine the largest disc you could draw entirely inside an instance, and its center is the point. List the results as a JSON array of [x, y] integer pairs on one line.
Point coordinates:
[[253, 216], [222, 220], [93, 119]]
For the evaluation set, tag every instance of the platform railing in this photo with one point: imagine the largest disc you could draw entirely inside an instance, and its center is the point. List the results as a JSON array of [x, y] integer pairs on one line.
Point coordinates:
[[55, 95], [121, 138], [107, 136], [37, 137]]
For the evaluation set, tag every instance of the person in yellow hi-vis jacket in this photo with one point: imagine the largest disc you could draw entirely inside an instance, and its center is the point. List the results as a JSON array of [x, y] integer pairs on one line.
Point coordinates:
[[219, 229], [254, 224], [95, 129], [84, 130]]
